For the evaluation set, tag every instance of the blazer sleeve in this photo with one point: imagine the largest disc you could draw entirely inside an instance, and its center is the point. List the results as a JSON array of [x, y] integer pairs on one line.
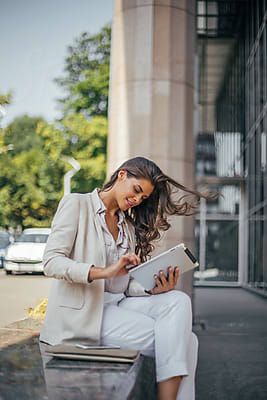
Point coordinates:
[[57, 261]]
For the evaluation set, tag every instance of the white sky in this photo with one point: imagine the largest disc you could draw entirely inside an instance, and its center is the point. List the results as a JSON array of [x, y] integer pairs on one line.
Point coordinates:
[[34, 35]]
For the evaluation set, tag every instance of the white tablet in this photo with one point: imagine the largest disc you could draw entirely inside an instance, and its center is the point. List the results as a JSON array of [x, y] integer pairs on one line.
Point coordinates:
[[178, 255]]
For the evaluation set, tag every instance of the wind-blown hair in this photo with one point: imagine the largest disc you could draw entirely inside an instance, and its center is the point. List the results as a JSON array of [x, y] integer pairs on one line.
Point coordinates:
[[150, 216]]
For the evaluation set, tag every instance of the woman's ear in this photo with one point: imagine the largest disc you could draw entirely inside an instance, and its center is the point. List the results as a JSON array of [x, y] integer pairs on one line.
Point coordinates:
[[122, 174]]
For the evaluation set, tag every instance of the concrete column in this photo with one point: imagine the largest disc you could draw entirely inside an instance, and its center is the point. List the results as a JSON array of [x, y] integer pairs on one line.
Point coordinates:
[[152, 94]]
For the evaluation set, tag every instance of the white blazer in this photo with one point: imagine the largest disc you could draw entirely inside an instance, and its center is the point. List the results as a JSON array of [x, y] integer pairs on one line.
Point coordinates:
[[75, 307]]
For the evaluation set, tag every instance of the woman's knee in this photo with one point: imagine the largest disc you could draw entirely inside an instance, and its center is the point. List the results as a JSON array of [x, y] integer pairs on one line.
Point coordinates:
[[177, 297], [193, 352], [194, 341]]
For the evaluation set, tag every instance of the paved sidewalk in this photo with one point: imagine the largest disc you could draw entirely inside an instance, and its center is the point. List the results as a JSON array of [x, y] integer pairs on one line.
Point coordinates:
[[231, 324]]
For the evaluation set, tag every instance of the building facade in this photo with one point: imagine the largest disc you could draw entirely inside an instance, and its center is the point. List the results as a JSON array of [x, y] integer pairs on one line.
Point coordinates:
[[188, 90], [232, 82]]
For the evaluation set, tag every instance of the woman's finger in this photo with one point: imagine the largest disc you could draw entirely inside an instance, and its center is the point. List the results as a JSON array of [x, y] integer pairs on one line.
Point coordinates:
[[176, 274], [158, 281], [130, 259], [171, 278], [133, 258], [163, 278]]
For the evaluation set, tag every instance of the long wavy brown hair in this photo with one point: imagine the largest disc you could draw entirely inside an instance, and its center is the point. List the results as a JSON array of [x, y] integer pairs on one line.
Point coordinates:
[[150, 216]]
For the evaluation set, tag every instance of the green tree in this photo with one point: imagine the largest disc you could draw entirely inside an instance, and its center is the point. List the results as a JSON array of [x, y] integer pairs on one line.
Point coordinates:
[[88, 143], [86, 79], [5, 98], [21, 133], [31, 176], [27, 190], [83, 140], [84, 121]]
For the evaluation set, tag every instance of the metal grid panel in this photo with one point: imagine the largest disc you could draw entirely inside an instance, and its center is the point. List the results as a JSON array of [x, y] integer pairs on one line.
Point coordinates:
[[242, 106], [218, 18]]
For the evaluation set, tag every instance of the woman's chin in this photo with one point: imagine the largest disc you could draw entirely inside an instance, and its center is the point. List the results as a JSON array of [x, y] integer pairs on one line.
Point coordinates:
[[123, 206]]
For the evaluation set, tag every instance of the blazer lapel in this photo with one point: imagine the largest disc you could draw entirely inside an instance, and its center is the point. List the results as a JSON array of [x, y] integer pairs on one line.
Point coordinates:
[[93, 199]]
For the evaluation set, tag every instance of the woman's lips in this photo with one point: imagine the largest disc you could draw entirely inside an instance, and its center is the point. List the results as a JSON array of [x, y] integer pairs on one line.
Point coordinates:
[[129, 204]]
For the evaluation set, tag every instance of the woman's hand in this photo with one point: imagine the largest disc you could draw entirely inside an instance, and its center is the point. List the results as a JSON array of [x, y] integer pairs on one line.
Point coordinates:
[[119, 269], [163, 283]]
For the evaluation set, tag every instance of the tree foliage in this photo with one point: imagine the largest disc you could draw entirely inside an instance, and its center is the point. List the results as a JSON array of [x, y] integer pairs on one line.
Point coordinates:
[[21, 133], [5, 98], [86, 79], [31, 175], [23, 176], [83, 140]]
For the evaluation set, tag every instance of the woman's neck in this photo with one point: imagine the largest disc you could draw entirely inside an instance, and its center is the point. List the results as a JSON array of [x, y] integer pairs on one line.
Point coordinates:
[[109, 201]]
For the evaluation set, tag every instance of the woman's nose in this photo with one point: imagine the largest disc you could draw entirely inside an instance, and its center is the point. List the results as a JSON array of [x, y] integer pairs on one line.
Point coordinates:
[[138, 198]]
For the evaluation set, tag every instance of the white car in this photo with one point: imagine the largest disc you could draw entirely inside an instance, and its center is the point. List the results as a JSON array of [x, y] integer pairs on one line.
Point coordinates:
[[26, 253], [5, 240]]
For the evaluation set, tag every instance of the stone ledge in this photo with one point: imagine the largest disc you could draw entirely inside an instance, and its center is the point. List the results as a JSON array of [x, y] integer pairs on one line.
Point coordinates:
[[19, 330], [21, 366]]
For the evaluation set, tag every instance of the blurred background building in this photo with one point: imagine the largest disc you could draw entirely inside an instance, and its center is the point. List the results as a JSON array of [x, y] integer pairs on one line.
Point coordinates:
[[189, 90], [231, 63]]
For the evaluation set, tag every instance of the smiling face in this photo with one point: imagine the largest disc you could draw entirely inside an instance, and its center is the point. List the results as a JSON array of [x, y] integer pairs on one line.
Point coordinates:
[[130, 192]]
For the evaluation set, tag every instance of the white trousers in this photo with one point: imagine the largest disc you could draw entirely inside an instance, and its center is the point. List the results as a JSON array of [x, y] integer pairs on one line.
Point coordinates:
[[159, 326]]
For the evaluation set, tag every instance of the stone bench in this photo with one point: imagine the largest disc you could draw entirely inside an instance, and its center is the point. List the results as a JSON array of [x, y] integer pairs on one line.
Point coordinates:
[[22, 375]]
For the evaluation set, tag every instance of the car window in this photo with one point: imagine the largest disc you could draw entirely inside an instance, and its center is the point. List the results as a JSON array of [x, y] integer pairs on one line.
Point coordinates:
[[4, 240], [32, 238]]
